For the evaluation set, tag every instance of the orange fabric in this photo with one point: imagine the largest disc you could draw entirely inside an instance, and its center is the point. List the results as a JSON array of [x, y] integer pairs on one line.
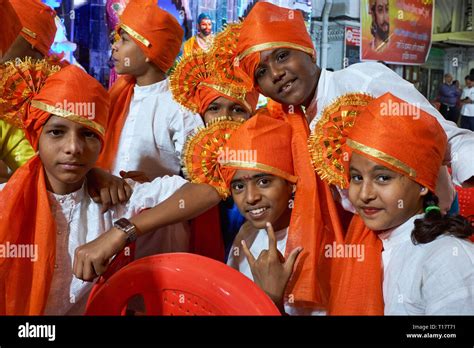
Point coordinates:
[[206, 95], [314, 219], [414, 129], [37, 20], [120, 97], [271, 25], [27, 283], [357, 285], [206, 237], [10, 26], [157, 26]]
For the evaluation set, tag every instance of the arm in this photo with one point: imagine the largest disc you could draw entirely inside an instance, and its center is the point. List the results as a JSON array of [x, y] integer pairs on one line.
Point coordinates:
[[181, 124], [91, 259]]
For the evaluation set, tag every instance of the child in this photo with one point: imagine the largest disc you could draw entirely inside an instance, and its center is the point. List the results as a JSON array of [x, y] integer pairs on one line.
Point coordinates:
[[56, 215], [276, 50], [206, 83], [147, 128], [280, 190], [427, 259]]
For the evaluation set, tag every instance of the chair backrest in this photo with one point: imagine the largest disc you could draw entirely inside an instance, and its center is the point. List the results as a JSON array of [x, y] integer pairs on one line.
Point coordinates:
[[181, 284]]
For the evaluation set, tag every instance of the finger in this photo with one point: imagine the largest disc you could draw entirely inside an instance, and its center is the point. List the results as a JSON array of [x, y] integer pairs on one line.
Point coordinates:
[[122, 195], [248, 254], [88, 271], [105, 199], [78, 265], [100, 267], [123, 173], [94, 194], [114, 194], [290, 262], [272, 243], [128, 190]]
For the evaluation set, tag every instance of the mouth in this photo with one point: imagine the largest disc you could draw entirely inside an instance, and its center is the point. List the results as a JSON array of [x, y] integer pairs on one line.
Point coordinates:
[[286, 87], [71, 165], [257, 213], [370, 211]]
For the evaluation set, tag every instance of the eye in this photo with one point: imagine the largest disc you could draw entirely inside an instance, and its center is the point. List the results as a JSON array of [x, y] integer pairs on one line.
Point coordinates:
[[213, 107], [383, 178], [238, 109], [356, 178], [263, 182], [55, 132], [260, 72], [90, 134], [282, 55], [237, 187]]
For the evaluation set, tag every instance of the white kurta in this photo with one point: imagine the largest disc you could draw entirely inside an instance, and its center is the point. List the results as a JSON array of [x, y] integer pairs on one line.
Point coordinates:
[[377, 79], [468, 109], [79, 221], [151, 141], [257, 241], [433, 279]]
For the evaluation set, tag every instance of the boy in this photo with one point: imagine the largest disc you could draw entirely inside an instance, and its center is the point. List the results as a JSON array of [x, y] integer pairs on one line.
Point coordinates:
[[147, 127], [49, 195], [276, 50]]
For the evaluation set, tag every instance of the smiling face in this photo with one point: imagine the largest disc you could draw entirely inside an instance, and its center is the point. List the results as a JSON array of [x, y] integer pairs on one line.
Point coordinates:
[[383, 198], [287, 76], [262, 198], [127, 56], [68, 151], [225, 107]]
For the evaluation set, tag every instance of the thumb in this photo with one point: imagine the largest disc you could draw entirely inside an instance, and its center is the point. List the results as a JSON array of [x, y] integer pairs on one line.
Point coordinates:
[[290, 262]]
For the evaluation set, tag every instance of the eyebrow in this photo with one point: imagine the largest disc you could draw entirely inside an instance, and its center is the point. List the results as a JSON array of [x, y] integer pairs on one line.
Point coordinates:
[[375, 168], [253, 177]]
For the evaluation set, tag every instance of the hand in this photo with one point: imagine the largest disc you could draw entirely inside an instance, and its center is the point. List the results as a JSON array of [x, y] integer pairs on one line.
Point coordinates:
[[107, 189], [92, 259], [270, 270], [134, 175], [469, 183]]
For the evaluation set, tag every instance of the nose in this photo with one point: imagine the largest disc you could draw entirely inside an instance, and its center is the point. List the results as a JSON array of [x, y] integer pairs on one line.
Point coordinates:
[[74, 145], [252, 194], [276, 71], [367, 192]]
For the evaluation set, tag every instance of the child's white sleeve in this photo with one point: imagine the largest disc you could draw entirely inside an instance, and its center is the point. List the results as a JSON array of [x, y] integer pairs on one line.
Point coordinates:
[[182, 123], [150, 194]]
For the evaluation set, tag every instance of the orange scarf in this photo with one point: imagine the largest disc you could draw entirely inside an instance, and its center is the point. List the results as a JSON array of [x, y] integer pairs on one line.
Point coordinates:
[[10, 26], [121, 95]]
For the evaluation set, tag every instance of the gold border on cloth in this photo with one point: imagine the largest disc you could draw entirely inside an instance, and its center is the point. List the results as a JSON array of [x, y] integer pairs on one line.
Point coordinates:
[[69, 116], [29, 32], [383, 157], [136, 35], [264, 167], [269, 45]]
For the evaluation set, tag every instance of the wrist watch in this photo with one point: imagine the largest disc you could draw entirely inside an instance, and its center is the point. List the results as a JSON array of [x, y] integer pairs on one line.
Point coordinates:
[[126, 226]]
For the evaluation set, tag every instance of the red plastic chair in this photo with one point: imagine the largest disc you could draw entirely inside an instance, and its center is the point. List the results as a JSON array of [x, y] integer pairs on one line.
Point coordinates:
[[466, 203], [181, 284]]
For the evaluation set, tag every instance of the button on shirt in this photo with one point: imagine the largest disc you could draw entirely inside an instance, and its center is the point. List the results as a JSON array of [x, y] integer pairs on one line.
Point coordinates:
[[79, 221], [436, 278], [468, 109], [154, 132]]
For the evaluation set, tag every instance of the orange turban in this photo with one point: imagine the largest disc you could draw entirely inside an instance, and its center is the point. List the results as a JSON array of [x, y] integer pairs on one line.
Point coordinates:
[[10, 26], [209, 157], [65, 93], [267, 27], [38, 25], [200, 78], [154, 30], [417, 141]]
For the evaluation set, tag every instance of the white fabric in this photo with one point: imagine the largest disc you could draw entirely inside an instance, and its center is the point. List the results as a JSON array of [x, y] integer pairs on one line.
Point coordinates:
[[376, 79], [468, 109], [154, 132], [257, 241], [433, 279], [151, 141], [79, 221]]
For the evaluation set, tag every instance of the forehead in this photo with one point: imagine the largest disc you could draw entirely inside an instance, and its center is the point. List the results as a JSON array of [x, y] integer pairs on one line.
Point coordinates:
[[223, 101], [381, 2], [361, 162], [205, 21], [248, 174], [56, 121]]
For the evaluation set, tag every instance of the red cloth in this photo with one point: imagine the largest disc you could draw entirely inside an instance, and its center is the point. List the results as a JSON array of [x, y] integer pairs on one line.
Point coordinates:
[[10, 26], [206, 236]]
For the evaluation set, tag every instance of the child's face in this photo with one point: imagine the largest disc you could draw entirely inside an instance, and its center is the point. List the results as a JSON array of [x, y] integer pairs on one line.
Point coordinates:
[[225, 107], [68, 151], [128, 57], [262, 198], [287, 76], [383, 198]]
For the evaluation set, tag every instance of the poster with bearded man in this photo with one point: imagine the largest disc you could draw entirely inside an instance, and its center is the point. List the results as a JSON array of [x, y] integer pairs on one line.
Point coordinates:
[[396, 31]]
